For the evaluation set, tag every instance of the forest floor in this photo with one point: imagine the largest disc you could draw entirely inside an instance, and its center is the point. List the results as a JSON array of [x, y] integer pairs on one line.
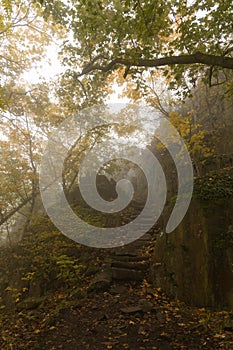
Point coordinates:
[[127, 315]]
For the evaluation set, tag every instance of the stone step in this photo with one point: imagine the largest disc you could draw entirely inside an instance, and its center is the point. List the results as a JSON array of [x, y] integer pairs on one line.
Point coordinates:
[[127, 274], [147, 243], [129, 258], [124, 252], [146, 237], [137, 244], [130, 265], [137, 203], [144, 228]]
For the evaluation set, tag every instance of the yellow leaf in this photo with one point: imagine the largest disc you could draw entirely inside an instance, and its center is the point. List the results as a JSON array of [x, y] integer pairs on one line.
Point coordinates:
[[219, 336]]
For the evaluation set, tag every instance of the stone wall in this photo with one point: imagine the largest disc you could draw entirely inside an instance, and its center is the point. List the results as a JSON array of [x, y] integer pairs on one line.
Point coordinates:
[[195, 262]]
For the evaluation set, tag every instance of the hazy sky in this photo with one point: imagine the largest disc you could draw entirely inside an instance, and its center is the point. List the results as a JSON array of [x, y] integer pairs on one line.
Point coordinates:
[[50, 66]]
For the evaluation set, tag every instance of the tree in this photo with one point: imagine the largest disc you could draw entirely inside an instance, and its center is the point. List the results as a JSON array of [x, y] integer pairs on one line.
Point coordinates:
[[188, 39], [24, 37]]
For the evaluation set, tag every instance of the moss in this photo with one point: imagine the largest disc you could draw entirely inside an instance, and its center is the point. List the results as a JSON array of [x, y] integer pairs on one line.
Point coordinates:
[[214, 186]]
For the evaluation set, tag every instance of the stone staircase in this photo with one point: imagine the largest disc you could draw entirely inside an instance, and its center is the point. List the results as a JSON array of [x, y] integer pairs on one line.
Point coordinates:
[[129, 263]]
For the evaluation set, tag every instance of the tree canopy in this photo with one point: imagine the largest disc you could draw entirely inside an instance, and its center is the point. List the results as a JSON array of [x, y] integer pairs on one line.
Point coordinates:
[[145, 46], [186, 38]]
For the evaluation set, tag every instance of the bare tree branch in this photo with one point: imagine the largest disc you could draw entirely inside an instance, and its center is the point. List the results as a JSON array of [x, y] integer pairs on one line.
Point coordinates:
[[15, 210]]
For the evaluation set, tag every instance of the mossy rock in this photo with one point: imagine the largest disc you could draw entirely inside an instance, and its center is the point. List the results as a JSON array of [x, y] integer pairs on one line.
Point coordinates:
[[29, 304]]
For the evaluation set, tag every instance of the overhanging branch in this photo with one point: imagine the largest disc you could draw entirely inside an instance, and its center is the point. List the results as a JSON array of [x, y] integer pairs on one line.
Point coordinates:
[[196, 58]]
